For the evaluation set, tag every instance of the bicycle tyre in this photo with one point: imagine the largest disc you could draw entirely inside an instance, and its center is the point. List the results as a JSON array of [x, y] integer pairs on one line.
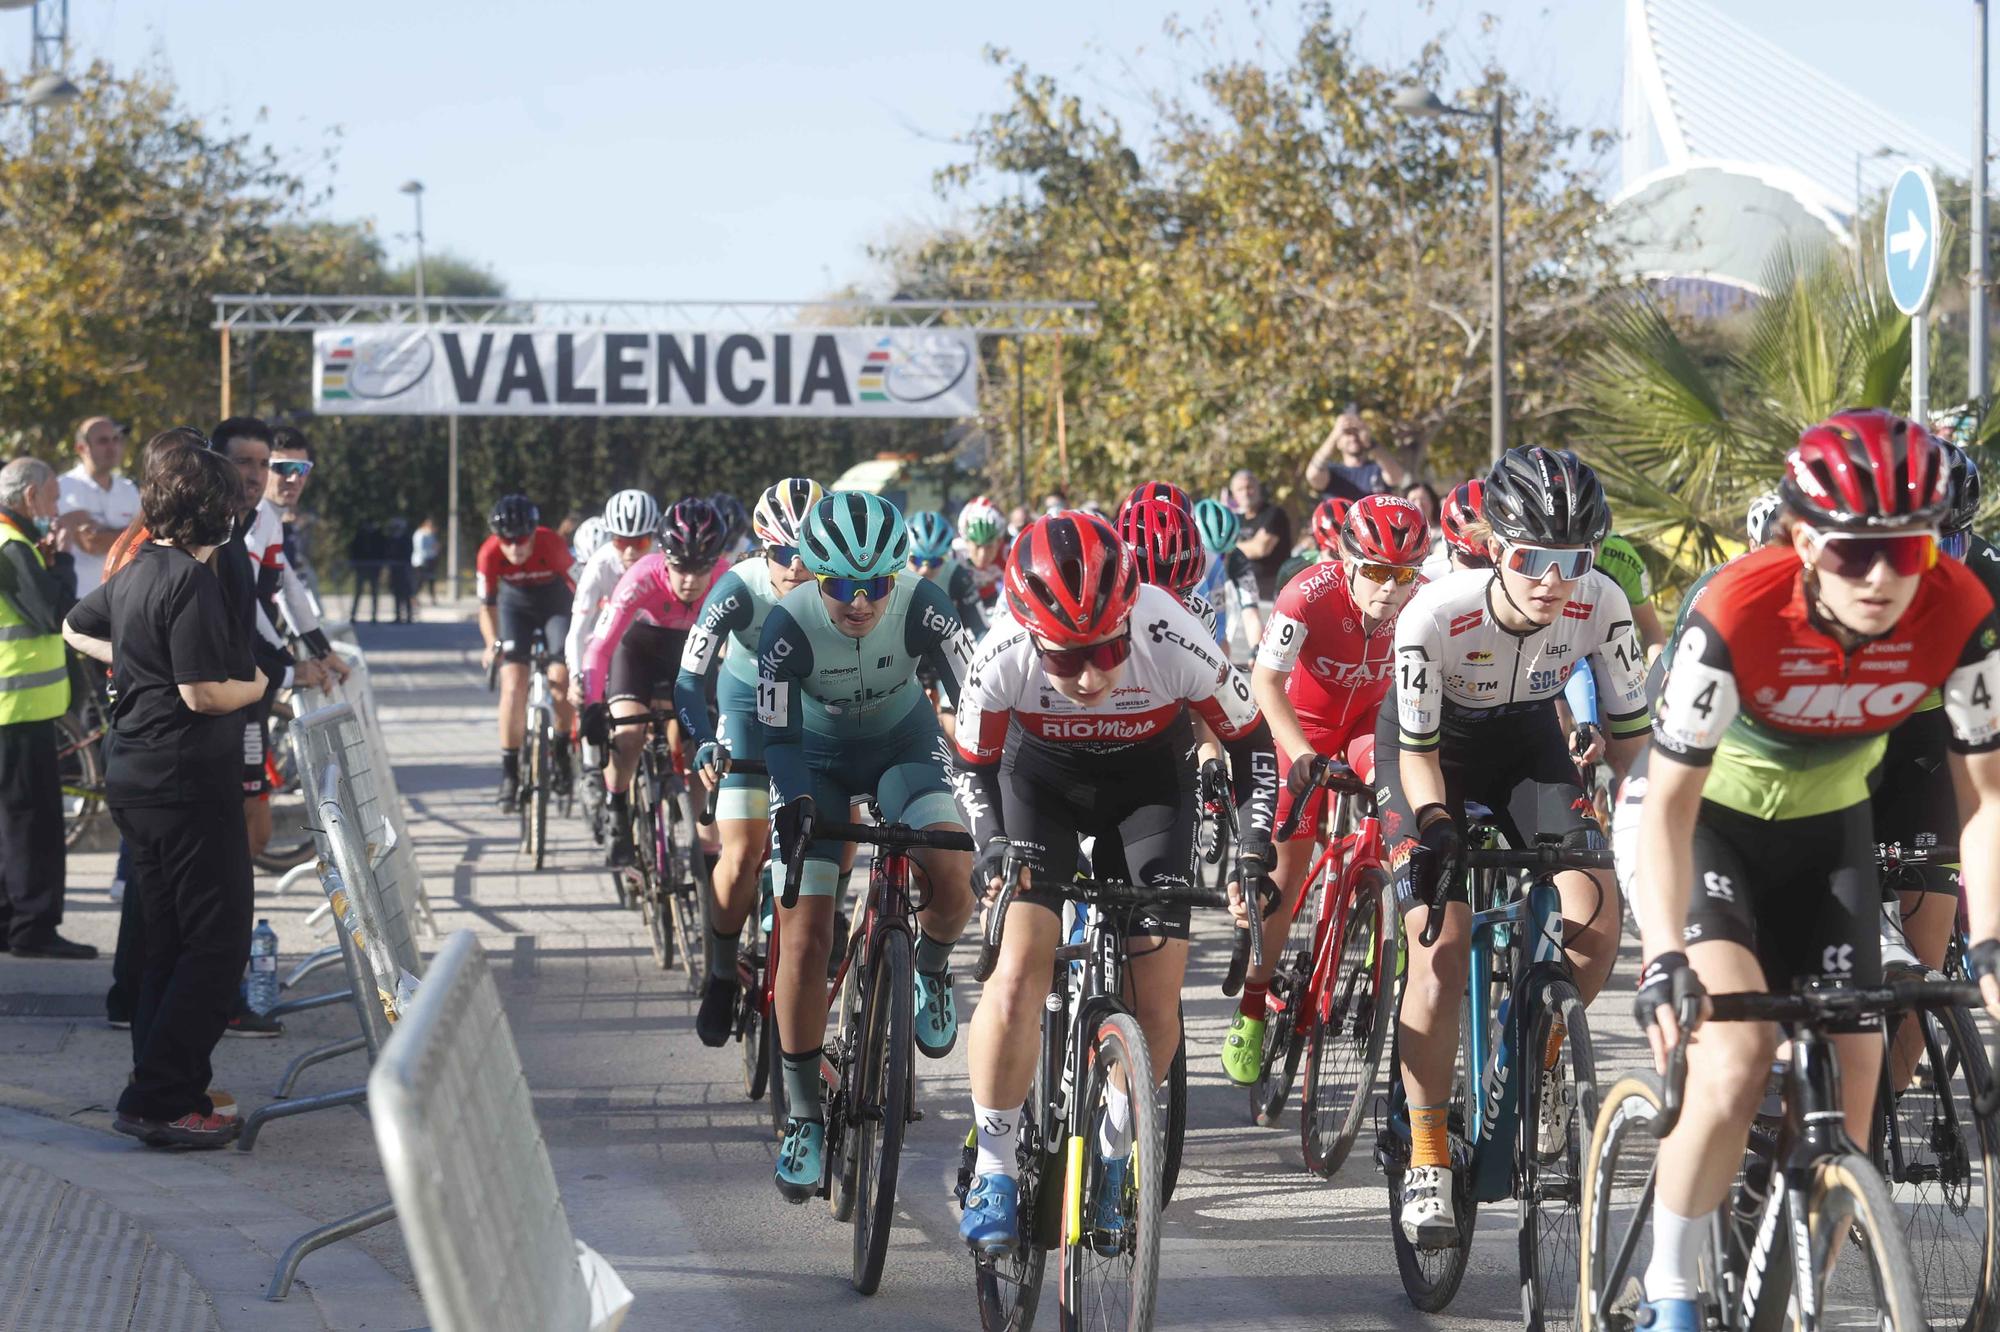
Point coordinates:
[[1617, 1194], [1944, 1160], [753, 1021], [1175, 1120], [1117, 1044], [82, 777], [1550, 1174], [678, 879], [774, 1077], [1345, 1048], [882, 1096], [1431, 1277], [1010, 1286], [646, 890], [1849, 1215], [1285, 1036], [845, 1054]]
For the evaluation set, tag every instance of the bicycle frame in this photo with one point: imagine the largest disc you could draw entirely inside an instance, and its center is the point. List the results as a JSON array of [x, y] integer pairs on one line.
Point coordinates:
[[1359, 850], [1494, 1098]]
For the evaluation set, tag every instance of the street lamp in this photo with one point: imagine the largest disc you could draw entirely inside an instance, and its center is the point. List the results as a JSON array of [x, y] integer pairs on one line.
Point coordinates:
[[415, 189], [1424, 102], [45, 90]]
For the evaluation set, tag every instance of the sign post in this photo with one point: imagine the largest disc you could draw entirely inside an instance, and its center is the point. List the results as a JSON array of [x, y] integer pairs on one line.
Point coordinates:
[[1910, 262]]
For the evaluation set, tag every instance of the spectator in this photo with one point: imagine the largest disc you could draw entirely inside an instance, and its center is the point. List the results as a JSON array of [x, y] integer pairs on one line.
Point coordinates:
[[1017, 521], [36, 590], [182, 679], [364, 557], [97, 500], [1265, 538], [398, 549], [424, 556], [1362, 469], [1425, 498], [291, 464]]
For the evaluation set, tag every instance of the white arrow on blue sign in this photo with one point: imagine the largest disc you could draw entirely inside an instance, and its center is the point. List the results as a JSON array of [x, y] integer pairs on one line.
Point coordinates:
[[1910, 240]]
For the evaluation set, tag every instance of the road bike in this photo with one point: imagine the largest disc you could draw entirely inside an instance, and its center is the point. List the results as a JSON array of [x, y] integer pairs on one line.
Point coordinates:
[[868, 1068], [1524, 1041], [1109, 1246], [756, 976], [80, 766], [538, 751], [291, 843], [1810, 1237], [666, 876]]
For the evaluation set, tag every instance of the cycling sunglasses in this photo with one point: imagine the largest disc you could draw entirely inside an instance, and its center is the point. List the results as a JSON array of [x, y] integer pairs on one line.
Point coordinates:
[[926, 566], [785, 555], [1068, 663], [1954, 544], [846, 589], [1534, 562], [696, 569], [633, 542], [1847, 556], [1398, 574], [293, 469]]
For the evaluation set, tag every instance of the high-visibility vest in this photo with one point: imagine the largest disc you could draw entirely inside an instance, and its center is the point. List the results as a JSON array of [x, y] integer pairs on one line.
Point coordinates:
[[34, 676]]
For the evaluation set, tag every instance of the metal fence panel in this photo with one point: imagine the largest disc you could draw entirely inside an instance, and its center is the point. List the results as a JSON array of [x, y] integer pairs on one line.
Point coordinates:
[[475, 1194]]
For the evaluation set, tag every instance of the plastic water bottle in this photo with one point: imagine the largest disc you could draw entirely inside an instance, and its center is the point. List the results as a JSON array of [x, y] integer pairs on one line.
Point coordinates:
[[262, 990]]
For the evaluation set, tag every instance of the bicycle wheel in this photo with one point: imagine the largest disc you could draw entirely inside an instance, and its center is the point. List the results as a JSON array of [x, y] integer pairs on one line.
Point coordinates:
[[753, 1022], [544, 778], [646, 888], [879, 1108], [774, 1076], [1347, 1026], [844, 1048], [1550, 1165], [1174, 1108], [1285, 1033], [683, 881], [1619, 1166], [82, 780], [1431, 1277], [1111, 1249], [1939, 1159], [1861, 1267], [1010, 1284]]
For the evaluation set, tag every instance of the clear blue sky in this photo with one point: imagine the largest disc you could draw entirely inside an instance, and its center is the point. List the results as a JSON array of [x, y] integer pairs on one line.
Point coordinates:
[[642, 148]]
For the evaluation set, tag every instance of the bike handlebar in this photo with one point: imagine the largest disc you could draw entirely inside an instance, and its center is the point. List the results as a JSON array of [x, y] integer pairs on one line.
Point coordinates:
[[1346, 782], [889, 836], [1090, 892], [748, 767]]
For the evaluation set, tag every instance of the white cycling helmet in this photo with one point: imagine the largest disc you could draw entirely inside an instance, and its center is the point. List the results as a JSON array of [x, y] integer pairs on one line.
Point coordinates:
[[590, 536], [782, 509], [631, 513], [981, 521], [1761, 520]]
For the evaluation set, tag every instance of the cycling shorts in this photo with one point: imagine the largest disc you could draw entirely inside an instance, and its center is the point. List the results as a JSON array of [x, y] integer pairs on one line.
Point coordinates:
[[906, 770], [1915, 806], [1802, 894], [1139, 803], [1514, 763], [524, 610], [1356, 748], [742, 796], [645, 665]]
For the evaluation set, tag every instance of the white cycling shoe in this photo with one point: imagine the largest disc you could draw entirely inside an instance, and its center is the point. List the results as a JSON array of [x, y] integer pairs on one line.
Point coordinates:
[[1428, 1220]]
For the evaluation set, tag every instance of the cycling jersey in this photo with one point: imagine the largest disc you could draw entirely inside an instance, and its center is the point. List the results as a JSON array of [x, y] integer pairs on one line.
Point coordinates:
[[986, 578], [643, 596], [1621, 559], [278, 585], [1347, 666], [1457, 665], [595, 583], [1790, 723], [1227, 589], [547, 567], [966, 598]]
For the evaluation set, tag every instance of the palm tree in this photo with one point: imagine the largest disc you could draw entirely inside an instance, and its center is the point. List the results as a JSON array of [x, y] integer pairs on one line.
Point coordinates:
[[1683, 442]]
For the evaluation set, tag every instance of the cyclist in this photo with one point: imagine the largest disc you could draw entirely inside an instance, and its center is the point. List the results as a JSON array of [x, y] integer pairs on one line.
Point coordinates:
[[843, 715], [1480, 657], [587, 540], [982, 531], [1322, 669], [1329, 516], [1621, 559], [635, 656], [931, 539], [1463, 527], [524, 584], [1760, 859], [607, 546], [734, 615], [1229, 584], [1075, 723], [735, 524], [1167, 549]]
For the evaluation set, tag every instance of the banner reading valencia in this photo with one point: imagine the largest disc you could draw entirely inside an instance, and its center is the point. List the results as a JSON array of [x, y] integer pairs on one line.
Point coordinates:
[[490, 370]]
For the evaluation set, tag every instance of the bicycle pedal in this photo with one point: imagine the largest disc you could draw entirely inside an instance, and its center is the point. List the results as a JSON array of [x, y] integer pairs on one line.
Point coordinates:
[[916, 1116]]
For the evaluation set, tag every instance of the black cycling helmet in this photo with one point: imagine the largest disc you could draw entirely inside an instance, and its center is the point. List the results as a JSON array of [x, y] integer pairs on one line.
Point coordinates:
[[513, 517], [1545, 497], [1962, 508], [735, 518], [692, 533]]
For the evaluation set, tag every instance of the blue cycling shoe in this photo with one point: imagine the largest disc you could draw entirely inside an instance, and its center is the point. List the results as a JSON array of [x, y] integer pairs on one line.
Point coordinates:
[[801, 1159], [990, 1225], [937, 1015], [1668, 1316], [1108, 1225]]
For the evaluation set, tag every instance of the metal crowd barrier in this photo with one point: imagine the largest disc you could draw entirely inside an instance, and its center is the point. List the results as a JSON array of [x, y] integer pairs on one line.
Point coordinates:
[[474, 1191]]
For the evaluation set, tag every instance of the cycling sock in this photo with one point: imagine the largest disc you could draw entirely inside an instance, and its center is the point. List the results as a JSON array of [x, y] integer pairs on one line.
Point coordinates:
[[1114, 1133], [1677, 1244], [1558, 1032], [721, 951], [933, 958], [1430, 1135], [1251, 1005], [620, 806], [998, 1132], [801, 1073], [510, 763]]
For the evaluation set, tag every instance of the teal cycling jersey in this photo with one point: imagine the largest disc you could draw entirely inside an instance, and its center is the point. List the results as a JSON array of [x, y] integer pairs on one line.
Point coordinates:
[[733, 614], [812, 678]]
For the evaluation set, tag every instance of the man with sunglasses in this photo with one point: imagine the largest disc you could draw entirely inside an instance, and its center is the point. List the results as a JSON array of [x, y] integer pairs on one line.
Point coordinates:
[[524, 583], [844, 716], [732, 618], [1323, 666], [1481, 657], [1760, 843]]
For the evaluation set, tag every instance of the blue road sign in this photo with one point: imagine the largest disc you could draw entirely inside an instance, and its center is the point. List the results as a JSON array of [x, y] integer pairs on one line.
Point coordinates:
[[1910, 240]]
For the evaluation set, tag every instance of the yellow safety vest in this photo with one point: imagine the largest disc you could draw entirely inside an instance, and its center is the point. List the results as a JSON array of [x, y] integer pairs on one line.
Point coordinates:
[[34, 676]]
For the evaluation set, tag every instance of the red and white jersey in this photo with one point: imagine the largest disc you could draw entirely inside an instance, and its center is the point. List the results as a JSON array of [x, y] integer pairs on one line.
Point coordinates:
[[1336, 669], [1174, 665]]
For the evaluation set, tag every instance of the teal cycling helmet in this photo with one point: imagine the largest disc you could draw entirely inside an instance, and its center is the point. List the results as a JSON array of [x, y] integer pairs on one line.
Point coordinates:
[[931, 535], [853, 534], [1218, 523]]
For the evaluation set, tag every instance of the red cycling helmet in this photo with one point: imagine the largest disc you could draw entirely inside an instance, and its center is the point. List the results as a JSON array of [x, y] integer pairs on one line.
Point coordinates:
[[1385, 529], [1465, 506], [1165, 543], [1070, 579], [1328, 515], [1866, 468], [1158, 490]]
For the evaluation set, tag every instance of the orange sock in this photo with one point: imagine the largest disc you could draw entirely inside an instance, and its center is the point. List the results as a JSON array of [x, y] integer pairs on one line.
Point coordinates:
[[1430, 1136], [1550, 1056]]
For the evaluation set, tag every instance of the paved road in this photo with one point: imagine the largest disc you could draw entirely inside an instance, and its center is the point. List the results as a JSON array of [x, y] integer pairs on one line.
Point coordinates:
[[666, 1167]]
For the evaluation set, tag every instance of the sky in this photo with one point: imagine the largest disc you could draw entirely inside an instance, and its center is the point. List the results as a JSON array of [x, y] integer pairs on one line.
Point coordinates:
[[661, 149]]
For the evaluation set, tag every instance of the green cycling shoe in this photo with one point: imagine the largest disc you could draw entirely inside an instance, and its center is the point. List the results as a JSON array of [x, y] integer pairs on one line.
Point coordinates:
[[1243, 1051], [801, 1159]]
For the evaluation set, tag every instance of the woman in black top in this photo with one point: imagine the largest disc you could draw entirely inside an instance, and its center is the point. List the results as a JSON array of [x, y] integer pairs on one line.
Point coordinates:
[[173, 762]]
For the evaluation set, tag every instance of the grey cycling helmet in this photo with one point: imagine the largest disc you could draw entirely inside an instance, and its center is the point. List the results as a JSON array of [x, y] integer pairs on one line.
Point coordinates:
[[632, 513], [1545, 497], [1760, 522]]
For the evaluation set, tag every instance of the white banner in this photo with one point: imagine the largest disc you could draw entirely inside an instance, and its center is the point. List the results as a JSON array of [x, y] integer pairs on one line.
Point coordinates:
[[489, 370]]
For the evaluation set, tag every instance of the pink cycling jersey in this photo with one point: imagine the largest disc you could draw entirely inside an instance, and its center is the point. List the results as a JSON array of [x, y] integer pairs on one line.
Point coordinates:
[[643, 595]]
